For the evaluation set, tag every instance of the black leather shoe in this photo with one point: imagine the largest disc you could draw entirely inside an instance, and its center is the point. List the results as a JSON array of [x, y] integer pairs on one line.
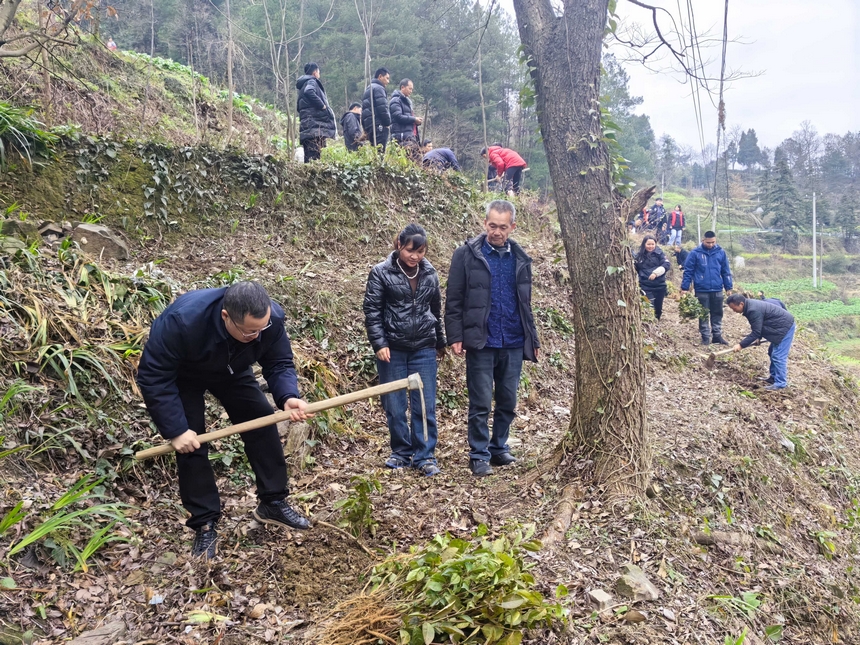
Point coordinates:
[[719, 340], [766, 379], [281, 514], [705, 342], [503, 459], [205, 538], [480, 468]]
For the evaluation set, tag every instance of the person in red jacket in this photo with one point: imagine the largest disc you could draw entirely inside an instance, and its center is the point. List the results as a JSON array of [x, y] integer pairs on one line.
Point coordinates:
[[676, 226], [508, 164]]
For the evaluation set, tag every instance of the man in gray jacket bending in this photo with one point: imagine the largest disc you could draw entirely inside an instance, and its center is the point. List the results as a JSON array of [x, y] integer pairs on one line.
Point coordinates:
[[770, 322]]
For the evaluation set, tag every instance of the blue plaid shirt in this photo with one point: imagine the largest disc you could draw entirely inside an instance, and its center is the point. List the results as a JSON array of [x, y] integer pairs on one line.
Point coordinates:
[[504, 326]]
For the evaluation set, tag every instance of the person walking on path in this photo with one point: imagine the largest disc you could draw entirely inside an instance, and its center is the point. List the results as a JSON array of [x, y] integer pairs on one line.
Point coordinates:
[[488, 315], [657, 218], [403, 317], [207, 340], [316, 118], [404, 123], [676, 224], [509, 167], [707, 268], [350, 122], [651, 265], [375, 115], [770, 322]]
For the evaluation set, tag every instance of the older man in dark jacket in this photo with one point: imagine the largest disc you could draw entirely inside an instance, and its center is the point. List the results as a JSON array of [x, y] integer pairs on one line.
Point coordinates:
[[316, 119], [768, 321], [207, 340], [375, 115], [488, 314], [404, 123]]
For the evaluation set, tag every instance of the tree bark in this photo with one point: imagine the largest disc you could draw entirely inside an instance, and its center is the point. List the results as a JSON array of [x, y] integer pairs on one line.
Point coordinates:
[[608, 425]]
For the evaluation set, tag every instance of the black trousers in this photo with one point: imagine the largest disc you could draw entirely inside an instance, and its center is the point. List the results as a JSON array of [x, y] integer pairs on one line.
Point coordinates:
[[655, 297], [513, 179], [243, 400], [313, 148], [713, 302]]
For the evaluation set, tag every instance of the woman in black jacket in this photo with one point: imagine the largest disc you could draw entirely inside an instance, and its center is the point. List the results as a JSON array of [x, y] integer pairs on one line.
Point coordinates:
[[403, 317], [651, 266]]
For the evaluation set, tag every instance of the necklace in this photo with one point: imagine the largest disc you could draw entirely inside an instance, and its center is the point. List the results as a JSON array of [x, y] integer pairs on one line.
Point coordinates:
[[410, 277]]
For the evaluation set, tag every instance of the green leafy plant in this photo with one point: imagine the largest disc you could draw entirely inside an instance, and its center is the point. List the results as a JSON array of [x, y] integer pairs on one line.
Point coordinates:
[[21, 134], [463, 591], [739, 640], [824, 542], [690, 308], [70, 517], [356, 511], [745, 605]]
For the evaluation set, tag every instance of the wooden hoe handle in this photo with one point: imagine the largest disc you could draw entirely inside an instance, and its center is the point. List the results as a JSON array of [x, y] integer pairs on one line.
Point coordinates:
[[411, 382]]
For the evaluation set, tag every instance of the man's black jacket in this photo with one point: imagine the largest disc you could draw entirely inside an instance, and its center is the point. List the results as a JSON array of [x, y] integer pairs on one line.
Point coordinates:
[[397, 318], [467, 302], [767, 320], [189, 342], [374, 92], [351, 124], [315, 116], [402, 116]]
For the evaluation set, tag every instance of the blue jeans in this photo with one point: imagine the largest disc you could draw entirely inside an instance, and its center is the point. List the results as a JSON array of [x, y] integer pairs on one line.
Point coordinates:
[[484, 369], [779, 359], [407, 444], [675, 236]]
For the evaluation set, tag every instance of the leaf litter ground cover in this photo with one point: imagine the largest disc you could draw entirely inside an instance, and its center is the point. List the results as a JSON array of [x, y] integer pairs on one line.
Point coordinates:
[[721, 466]]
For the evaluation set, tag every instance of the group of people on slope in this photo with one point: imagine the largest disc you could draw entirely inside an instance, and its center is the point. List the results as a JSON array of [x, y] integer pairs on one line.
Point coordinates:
[[208, 340], [706, 269], [667, 228], [378, 118]]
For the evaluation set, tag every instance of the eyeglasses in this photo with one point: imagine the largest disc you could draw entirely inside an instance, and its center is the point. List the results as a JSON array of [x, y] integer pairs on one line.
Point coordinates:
[[253, 333]]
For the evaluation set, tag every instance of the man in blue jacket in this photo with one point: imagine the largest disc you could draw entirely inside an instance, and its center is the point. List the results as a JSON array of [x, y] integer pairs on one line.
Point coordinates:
[[707, 268], [208, 340], [440, 159], [769, 320]]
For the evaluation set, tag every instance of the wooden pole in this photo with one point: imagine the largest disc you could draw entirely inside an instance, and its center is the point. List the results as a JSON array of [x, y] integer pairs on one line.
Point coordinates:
[[411, 382]]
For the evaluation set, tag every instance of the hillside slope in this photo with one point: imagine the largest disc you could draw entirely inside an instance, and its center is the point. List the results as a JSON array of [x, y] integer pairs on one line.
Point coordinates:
[[752, 521]]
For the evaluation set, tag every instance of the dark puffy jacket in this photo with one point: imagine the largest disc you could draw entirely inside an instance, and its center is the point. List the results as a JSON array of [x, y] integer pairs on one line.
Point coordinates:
[[380, 107], [350, 123], [708, 269], [402, 117], [315, 116], [681, 258], [189, 341], [395, 317], [467, 303], [442, 159], [646, 263], [656, 216], [767, 320]]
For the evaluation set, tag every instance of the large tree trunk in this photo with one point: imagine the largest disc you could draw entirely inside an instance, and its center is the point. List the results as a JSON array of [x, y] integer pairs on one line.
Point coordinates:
[[608, 422]]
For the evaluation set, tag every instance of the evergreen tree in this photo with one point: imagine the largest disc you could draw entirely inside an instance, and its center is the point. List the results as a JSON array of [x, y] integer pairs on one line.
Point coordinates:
[[847, 220], [636, 139], [749, 154], [780, 198]]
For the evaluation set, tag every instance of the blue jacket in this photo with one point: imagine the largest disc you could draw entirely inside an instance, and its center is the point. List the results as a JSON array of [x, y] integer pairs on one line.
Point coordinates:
[[189, 341], [442, 159], [707, 269]]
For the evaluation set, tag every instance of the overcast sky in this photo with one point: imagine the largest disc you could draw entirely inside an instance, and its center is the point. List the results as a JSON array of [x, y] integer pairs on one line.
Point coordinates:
[[807, 52]]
